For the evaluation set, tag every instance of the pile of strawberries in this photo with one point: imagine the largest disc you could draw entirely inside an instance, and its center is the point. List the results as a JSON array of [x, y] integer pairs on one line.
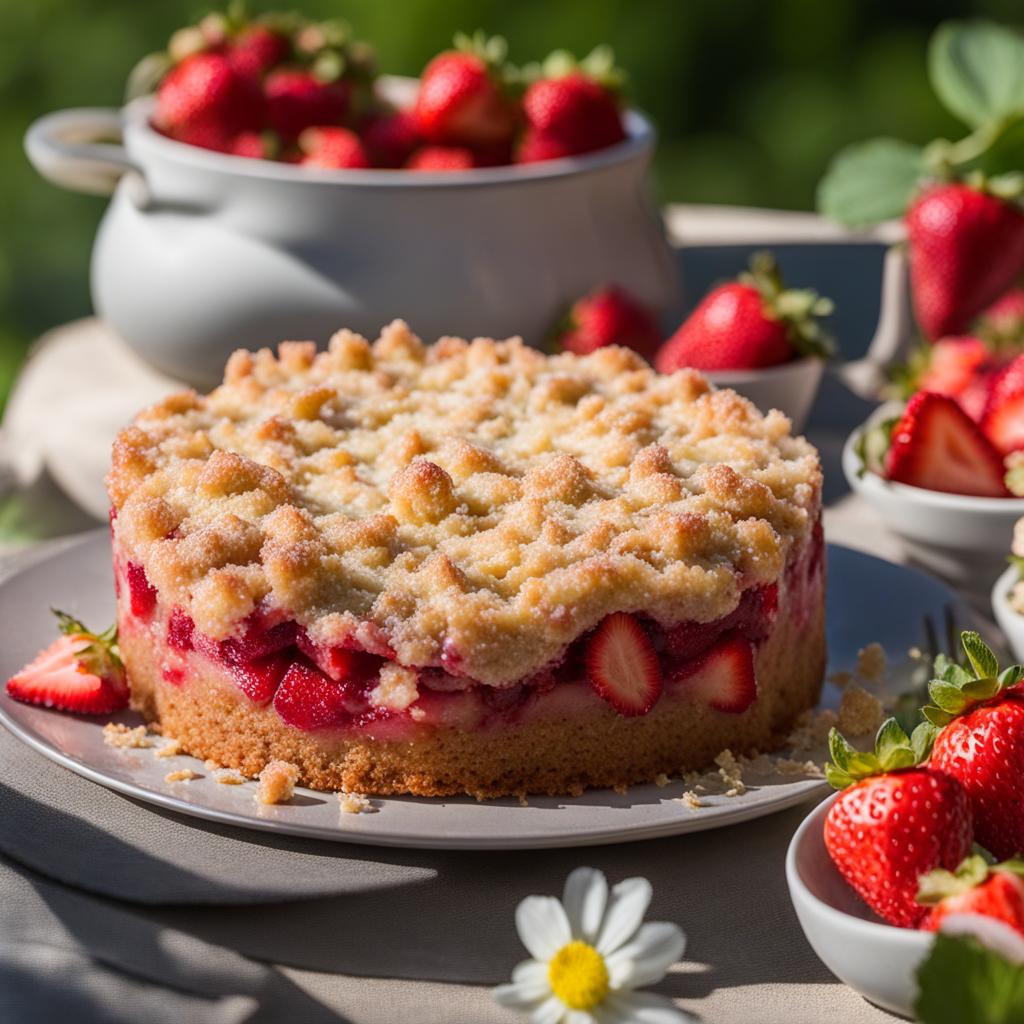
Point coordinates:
[[279, 87], [911, 815]]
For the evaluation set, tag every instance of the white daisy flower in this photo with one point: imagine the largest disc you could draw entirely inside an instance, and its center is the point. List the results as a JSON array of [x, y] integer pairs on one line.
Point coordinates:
[[590, 952]]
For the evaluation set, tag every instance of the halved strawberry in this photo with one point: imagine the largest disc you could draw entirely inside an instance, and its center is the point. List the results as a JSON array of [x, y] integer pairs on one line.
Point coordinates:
[[723, 677], [936, 445], [622, 665], [80, 671], [1003, 419]]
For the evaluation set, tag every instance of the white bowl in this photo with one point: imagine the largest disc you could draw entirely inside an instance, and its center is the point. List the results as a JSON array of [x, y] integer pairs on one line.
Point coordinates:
[[961, 538], [790, 388], [1009, 621], [873, 958], [200, 252]]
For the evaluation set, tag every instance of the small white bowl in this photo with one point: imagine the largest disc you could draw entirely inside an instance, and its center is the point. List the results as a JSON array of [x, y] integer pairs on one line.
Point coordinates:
[[1010, 622], [873, 958], [961, 538], [790, 388]]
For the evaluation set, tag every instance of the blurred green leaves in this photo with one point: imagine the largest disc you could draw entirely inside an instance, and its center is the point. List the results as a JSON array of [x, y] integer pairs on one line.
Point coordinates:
[[870, 181]]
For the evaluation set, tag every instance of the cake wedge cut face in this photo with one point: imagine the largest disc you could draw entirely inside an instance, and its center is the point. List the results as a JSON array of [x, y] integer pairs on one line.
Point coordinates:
[[467, 567]]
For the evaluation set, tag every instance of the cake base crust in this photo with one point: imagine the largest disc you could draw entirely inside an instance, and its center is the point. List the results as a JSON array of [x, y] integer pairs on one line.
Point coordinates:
[[555, 755]]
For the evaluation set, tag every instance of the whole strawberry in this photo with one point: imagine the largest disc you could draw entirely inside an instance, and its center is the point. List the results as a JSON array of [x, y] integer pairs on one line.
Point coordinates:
[[966, 249], [257, 49], [461, 99], [748, 324], [976, 887], [894, 819], [441, 158], [979, 712], [205, 102], [1003, 417], [1002, 323], [391, 137], [297, 99], [332, 148], [607, 316]]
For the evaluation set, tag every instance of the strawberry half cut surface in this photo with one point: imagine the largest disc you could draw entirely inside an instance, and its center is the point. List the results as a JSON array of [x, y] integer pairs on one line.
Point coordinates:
[[723, 677], [936, 445], [622, 665], [1003, 418], [80, 671]]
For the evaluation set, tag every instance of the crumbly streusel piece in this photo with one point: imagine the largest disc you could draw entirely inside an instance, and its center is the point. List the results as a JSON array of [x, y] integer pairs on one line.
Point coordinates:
[[181, 775], [871, 662], [229, 778], [123, 738], [691, 800], [172, 748], [860, 712], [277, 782], [354, 803]]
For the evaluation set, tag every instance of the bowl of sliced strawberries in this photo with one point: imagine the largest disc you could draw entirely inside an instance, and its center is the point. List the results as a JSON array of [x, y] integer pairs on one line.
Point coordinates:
[[924, 834], [268, 183]]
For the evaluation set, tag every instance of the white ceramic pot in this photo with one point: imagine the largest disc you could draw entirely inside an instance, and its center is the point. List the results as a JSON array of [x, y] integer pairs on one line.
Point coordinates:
[[1009, 621], [961, 538], [790, 388], [200, 252], [873, 958]]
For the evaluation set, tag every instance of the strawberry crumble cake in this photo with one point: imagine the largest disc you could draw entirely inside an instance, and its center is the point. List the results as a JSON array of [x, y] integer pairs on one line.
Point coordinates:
[[466, 568]]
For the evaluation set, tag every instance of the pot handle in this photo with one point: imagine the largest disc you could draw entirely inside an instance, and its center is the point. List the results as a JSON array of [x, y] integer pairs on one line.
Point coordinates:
[[70, 148]]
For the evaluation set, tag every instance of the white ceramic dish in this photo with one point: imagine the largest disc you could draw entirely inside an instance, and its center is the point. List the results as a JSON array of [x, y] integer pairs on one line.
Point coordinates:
[[869, 600], [1009, 621], [964, 539], [873, 958], [200, 252], [790, 388]]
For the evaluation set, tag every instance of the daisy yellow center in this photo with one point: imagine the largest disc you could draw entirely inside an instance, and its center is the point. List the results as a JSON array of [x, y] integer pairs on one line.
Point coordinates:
[[578, 975]]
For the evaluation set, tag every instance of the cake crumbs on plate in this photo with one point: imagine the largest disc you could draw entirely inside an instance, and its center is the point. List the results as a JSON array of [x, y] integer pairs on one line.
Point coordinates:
[[523, 802], [661, 780], [691, 800], [277, 782], [354, 803], [860, 712], [621, 789], [181, 775], [172, 748], [229, 778], [731, 772], [121, 737], [871, 662]]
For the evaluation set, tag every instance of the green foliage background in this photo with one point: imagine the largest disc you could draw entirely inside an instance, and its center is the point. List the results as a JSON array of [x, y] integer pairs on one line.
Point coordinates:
[[751, 97]]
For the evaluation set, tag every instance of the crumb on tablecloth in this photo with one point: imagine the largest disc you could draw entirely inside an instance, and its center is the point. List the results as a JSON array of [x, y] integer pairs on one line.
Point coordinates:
[[277, 782], [181, 775], [860, 712], [123, 738], [354, 803]]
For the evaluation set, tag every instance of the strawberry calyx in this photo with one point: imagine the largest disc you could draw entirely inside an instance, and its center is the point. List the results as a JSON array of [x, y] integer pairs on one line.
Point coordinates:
[[893, 751], [798, 309], [958, 689], [100, 655], [492, 52], [939, 884], [872, 445]]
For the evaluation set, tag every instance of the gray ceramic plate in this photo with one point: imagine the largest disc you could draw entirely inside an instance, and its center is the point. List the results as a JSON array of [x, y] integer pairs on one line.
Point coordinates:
[[868, 600]]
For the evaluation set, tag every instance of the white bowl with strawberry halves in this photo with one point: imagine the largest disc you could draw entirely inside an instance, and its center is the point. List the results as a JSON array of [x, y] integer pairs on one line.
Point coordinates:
[[941, 484]]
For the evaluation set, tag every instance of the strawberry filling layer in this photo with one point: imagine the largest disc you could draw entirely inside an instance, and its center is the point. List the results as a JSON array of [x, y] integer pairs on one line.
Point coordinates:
[[313, 687]]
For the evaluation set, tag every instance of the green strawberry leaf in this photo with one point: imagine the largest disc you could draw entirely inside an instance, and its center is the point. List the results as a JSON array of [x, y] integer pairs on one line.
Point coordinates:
[[954, 690], [962, 981], [936, 885], [870, 181], [872, 446], [979, 654], [921, 741], [977, 71]]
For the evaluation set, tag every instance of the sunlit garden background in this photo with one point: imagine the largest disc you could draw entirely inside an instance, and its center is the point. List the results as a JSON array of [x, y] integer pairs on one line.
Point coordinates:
[[751, 98]]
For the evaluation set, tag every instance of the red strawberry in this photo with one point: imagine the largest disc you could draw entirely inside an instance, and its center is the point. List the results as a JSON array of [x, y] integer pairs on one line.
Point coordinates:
[[341, 663], [966, 249], [747, 324], [391, 138], [975, 888], [607, 316], [441, 158], [256, 50], [257, 641], [936, 445], [894, 820], [460, 100], [569, 115], [953, 365], [332, 147], [1002, 324], [1003, 418], [308, 700], [80, 671], [256, 145], [205, 102], [260, 678], [141, 593], [297, 100], [980, 716], [622, 665], [722, 677]]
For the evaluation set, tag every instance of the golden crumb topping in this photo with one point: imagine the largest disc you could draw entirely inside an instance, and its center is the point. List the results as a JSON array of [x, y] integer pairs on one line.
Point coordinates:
[[477, 502]]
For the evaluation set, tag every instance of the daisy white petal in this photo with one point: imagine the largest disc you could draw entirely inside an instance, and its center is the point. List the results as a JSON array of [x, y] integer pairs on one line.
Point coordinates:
[[551, 1011], [647, 956], [626, 909], [542, 926], [516, 996], [642, 1008], [579, 1017], [528, 987], [585, 897]]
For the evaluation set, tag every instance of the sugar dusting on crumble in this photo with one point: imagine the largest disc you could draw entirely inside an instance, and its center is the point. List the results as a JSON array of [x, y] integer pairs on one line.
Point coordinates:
[[181, 775], [277, 782], [354, 803], [124, 738], [478, 497]]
